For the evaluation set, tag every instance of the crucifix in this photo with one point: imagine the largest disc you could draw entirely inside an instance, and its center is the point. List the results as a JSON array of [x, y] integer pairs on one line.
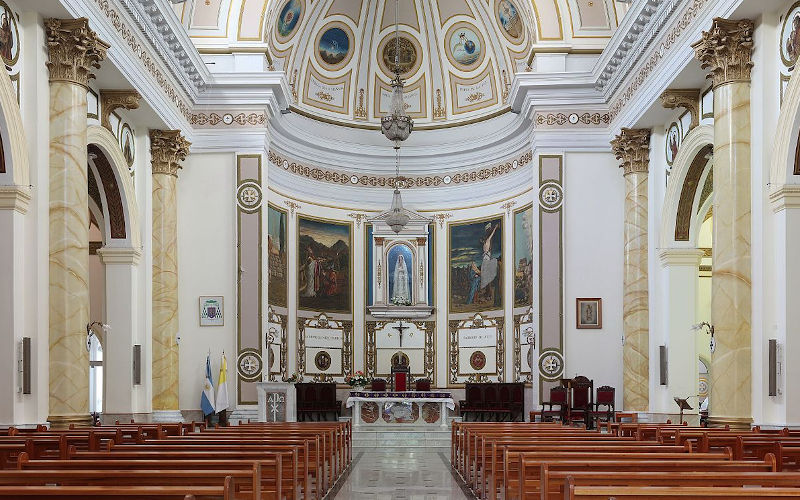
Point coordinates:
[[400, 330]]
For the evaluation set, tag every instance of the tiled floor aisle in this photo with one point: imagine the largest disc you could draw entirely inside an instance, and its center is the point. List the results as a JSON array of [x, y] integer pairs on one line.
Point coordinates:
[[400, 475]]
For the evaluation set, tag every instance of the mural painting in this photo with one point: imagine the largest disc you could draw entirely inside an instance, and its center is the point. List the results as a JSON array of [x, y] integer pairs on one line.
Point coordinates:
[[334, 46], [407, 59], [9, 36], [277, 268], [509, 18], [523, 257], [324, 265], [465, 46], [290, 15], [476, 282]]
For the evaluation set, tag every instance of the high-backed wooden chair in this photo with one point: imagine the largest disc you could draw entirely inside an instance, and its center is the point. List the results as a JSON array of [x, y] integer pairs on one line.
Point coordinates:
[[605, 397], [558, 397], [582, 400]]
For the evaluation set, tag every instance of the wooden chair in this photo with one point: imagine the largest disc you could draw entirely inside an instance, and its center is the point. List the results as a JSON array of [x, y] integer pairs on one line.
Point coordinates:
[[474, 402], [558, 397], [581, 402], [605, 397]]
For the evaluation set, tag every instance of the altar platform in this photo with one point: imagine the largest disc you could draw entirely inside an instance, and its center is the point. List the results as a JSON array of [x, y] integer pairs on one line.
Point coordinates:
[[421, 409]]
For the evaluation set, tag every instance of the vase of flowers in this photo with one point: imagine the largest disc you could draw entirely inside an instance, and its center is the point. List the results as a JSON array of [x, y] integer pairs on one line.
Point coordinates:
[[356, 380]]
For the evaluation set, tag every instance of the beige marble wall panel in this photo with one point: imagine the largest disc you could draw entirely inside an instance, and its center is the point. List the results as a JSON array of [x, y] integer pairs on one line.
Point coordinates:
[[69, 253], [731, 285], [165, 293], [635, 315]]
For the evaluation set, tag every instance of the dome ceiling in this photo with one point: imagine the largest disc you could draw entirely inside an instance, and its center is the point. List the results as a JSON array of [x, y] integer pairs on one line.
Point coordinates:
[[458, 57]]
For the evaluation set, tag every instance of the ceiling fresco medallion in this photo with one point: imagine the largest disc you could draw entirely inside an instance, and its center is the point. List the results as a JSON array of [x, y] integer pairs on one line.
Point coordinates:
[[673, 142], [477, 360], [465, 46], [322, 360], [290, 16], [510, 20], [409, 56], [333, 46]]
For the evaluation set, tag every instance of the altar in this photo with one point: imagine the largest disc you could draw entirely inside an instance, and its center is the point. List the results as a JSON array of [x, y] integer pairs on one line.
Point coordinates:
[[409, 408]]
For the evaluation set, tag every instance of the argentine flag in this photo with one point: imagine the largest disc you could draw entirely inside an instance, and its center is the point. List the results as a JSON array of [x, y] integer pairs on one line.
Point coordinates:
[[222, 386], [206, 400]]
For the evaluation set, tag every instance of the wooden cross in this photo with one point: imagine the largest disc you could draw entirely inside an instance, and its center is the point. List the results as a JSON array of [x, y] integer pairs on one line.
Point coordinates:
[[400, 331]]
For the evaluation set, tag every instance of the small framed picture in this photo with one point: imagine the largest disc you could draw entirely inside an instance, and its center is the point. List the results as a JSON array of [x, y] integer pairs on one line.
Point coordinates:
[[589, 313], [212, 310]]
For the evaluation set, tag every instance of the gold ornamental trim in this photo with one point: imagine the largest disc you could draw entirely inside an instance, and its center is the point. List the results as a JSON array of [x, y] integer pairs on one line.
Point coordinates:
[[726, 50], [632, 147], [168, 148], [74, 50]]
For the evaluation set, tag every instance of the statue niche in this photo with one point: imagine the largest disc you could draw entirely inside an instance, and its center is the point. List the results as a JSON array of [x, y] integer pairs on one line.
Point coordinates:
[[400, 268]]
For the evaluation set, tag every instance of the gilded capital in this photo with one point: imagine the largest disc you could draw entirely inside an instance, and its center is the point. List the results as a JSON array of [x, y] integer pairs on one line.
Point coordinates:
[[111, 100], [726, 50], [689, 99], [168, 148], [73, 50], [632, 146]]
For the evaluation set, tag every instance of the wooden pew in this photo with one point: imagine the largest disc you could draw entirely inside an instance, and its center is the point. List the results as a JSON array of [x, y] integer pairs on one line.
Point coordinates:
[[658, 493], [223, 492]]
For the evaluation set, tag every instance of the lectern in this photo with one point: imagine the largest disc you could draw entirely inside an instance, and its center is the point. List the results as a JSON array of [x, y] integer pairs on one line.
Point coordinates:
[[683, 405]]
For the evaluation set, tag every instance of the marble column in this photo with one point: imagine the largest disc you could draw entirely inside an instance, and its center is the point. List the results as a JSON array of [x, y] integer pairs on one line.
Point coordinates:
[[632, 146], [167, 148], [73, 51], [726, 51]]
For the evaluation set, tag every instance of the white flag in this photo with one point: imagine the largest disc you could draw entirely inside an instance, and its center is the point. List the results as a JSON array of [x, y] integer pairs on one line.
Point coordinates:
[[222, 386]]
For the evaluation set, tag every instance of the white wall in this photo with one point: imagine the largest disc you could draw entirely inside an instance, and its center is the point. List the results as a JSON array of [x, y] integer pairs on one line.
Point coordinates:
[[206, 266], [594, 195]]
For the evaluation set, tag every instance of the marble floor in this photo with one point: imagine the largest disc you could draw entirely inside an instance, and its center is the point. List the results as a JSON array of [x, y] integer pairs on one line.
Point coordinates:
[[400, 475]]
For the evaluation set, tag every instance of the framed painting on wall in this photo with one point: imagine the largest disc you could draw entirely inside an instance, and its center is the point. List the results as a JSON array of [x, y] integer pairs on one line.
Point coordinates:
[[324, 280], [212, 312], [476, 277], [589, 313], [277, 268]]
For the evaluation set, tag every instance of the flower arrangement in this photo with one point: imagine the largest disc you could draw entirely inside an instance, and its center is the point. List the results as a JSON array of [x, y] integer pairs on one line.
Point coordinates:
[[400, 301], [294, 378], [356, 379]]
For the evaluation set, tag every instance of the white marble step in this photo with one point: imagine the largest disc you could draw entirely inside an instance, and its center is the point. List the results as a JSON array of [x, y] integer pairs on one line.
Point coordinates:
[[400, 437]]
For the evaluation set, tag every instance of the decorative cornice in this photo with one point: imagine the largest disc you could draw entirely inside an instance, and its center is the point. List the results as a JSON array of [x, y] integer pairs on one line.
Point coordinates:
[[167, 148], [442, 217], [111, 100], [727, 50], [73, 50], [573, 119], [689, 99], [15, 198], [657, 50], [785, 196], [632, 146], [404, 182], [358, 217], [114, 255], [681, 256]]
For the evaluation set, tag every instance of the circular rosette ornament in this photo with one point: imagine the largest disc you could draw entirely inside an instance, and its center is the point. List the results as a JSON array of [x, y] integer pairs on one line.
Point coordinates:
[[477, 360], [249, 365]]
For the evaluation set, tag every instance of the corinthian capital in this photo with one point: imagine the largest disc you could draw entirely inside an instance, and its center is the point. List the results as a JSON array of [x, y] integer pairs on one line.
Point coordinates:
[[726, 50], [167, 149], [73, 50], [632, 146]]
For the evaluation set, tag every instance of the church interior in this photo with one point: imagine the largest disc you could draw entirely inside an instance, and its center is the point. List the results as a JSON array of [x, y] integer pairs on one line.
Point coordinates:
[[399, 249]]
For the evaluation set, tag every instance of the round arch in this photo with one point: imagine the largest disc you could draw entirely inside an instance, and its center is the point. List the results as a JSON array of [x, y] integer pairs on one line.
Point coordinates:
[[13, 134], [784, 149], [104, 140], [696, 141]]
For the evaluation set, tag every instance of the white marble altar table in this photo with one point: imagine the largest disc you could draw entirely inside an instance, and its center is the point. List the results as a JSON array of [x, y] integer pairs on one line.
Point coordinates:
[[423, 408]]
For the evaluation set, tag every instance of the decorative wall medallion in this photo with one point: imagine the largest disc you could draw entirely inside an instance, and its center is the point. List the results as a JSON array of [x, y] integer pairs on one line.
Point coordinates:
[[333, 46], [249, 365], [702, 387], [127, 142], [790, 37], [354, 179], [477, 360], [249, 196], [464, 46], [322, 360], [370, 412], [285, 165], [510, 20], [290, 15], [409, 60], [551, 196], [430, 412], [227, 118], [9, 36], [447, 179], [573, 118], [673, 142], [551, 364]]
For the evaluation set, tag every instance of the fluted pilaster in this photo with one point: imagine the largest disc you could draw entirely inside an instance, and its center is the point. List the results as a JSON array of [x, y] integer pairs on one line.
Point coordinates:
[[726, 50], [74, 50], [167, 148], [632, 147]]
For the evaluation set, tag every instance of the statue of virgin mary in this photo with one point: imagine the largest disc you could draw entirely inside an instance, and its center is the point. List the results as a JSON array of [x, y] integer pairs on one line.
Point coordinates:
[[401, 292]]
